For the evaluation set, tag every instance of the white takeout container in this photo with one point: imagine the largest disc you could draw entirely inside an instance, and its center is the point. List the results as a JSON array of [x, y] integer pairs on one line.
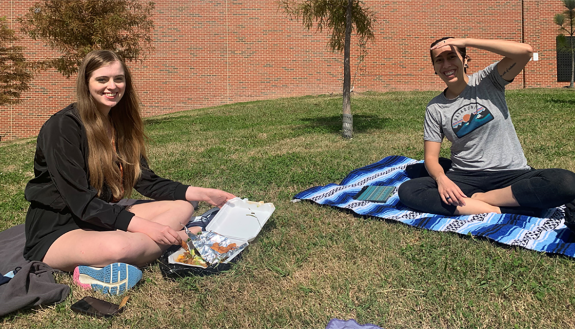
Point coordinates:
[[241, 219]]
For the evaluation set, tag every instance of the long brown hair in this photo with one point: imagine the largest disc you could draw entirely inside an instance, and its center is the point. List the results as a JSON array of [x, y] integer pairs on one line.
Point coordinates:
[[103, 160]]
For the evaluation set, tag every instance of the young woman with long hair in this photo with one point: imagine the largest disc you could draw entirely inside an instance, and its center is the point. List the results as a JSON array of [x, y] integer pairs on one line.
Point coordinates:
[[489, 171], [89, 158]]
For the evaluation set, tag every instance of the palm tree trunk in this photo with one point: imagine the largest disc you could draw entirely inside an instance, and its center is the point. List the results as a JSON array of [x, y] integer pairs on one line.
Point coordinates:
[[347, 117]]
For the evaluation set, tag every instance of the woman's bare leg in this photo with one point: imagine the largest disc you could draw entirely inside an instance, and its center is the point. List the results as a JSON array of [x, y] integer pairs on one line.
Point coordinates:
[[175, 214], [488, 202], [473, 207], [96, 248], [502, 197]]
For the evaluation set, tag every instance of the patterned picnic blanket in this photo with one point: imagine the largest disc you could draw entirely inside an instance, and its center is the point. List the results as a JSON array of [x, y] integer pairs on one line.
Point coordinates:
[[547, 234]]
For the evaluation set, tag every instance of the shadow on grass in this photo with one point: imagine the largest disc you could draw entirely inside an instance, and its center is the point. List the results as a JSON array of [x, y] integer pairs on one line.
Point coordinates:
[[563, 101], [155, 121], [333, 124]]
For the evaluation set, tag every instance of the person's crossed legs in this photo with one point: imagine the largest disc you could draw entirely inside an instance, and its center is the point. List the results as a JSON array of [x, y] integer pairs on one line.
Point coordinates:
[[100, 248], [520, 192]]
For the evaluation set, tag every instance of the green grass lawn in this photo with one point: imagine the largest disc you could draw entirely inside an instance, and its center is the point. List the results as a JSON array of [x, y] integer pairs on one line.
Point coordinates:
[[311, 263]]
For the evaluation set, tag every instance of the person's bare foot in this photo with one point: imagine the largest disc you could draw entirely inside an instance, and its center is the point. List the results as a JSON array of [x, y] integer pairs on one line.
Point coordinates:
[[474, 206]]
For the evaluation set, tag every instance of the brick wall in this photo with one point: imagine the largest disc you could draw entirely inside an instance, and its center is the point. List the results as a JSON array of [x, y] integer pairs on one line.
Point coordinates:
[[212, 52]]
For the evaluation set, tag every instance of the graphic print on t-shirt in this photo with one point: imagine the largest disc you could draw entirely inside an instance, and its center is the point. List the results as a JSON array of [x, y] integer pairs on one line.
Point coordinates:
[[468, 118]]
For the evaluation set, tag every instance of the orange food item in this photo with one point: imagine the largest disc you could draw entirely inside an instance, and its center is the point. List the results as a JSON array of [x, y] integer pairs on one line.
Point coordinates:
[[185, 246], [222, 250], [191, 258], [181, 258]]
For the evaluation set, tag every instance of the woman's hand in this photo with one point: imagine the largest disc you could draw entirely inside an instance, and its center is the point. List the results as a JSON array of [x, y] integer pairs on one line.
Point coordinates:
[[217, 198], [452, 42], [161, 234], [449, 192], [214, 197]]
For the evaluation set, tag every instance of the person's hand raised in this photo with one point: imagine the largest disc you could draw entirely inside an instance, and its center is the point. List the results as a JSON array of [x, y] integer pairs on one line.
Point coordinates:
[[452, 42]]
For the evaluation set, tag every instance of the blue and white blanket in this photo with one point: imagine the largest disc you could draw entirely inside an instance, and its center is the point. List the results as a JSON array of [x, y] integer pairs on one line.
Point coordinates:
[[547, 234]]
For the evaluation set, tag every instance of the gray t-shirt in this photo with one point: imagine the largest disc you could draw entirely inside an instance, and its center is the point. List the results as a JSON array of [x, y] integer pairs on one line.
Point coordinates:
[[478, 125]]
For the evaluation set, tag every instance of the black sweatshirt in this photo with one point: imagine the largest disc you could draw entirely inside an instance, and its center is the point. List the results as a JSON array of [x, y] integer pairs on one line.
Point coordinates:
[[61, 197]]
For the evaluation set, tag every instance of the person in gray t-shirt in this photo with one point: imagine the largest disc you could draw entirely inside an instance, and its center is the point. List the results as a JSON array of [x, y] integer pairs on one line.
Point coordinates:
[[489, 172]]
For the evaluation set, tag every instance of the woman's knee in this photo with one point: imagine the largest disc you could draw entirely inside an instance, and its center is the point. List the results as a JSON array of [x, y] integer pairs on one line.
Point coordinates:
[[407, 192], [177, 214], [563, 182], [171, 213], [549, 188], [183, 209]]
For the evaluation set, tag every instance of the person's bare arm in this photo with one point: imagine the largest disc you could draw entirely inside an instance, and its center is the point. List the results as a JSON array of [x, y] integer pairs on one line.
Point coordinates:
[[214, 197], [161, 234], [449, 192], [515, 55]]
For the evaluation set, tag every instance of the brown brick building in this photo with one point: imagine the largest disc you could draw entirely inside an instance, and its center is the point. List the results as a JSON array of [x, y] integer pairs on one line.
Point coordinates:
[[212, 52]]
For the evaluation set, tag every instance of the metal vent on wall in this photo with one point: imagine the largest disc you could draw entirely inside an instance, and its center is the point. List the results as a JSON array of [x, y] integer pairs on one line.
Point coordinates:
[[563, 63]]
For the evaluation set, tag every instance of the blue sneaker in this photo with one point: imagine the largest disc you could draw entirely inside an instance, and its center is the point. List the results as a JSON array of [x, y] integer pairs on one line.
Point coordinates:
[[113, 279]]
